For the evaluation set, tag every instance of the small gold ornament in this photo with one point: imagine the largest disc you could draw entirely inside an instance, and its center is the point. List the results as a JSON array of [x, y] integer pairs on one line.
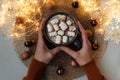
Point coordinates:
[[25, 55], [19, 20], [60, 71], [94, 23], [73, 63], [95, 45], [29, 43]]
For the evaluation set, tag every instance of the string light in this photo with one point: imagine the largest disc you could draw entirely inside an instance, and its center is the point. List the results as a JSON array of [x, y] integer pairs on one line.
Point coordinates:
[[100, 31], [15, 35], [107, 15], [2, 19], [24, 11], [95, 11], [112, 24], [22, 14], [111, 10], [112, 31]]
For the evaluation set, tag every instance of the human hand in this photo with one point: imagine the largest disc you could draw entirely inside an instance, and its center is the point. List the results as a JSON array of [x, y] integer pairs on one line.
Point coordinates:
[[43, 54], [83, 56]]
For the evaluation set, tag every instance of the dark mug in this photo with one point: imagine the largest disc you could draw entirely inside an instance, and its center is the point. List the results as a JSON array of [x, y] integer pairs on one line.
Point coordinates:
[[74, 43]]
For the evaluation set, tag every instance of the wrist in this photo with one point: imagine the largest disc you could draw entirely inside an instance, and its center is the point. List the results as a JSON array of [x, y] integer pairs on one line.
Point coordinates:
[[86, 61], [41, 60]]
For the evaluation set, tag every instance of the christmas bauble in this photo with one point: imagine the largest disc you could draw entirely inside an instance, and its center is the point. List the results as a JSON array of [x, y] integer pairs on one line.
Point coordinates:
[[29, 43], [75, 4], [95, 45], [93, 22], [25, 55], [19, 20], [60, 71], [73, 63]]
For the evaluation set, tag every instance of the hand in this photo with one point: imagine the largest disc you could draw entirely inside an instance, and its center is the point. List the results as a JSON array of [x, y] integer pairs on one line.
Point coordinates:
[[43, 54], [83, 56]]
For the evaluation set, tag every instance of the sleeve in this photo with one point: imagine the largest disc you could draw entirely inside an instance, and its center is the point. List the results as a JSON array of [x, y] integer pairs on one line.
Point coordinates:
[[92, 71], [35, 70]]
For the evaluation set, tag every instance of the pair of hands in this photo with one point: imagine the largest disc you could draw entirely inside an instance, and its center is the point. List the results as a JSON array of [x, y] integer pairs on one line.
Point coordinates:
[[82, 57]]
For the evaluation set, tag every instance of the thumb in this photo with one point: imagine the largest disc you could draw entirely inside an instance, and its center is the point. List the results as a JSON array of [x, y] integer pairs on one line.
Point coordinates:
[[41, 27], [55, 50]]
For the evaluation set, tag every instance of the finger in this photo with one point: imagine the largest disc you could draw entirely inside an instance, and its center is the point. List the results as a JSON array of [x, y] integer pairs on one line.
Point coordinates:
[[84, 36], [41, 27], [69, 51], [40, 33], [55, 50]]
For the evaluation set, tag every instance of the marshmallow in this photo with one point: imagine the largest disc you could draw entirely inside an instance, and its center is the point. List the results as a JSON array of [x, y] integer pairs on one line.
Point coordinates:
[[70, 33], [56, 27], [69, 22], [60, 32], [62, 17], [58, 39], [54, 21], [63, 25], [49, 28], [51, 34], [72, 28], [65, 39]]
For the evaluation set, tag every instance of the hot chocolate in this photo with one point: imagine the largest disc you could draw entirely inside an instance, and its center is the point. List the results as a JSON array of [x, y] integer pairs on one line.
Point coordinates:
[[61, 29]]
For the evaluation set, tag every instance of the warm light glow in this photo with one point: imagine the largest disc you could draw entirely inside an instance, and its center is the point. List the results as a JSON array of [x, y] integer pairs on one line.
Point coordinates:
[[89, 5], [15, 35], [20, 27], [112, 31], [112, 24], [101, 31], [44, 1], [25, 10], [37, 29], [112, 10], [22, 14], [94, 9], [2, 20]]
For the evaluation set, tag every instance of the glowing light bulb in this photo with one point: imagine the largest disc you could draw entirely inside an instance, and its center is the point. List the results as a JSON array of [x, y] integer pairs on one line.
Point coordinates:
[[2, 20], [15, 35], [101, 31]]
